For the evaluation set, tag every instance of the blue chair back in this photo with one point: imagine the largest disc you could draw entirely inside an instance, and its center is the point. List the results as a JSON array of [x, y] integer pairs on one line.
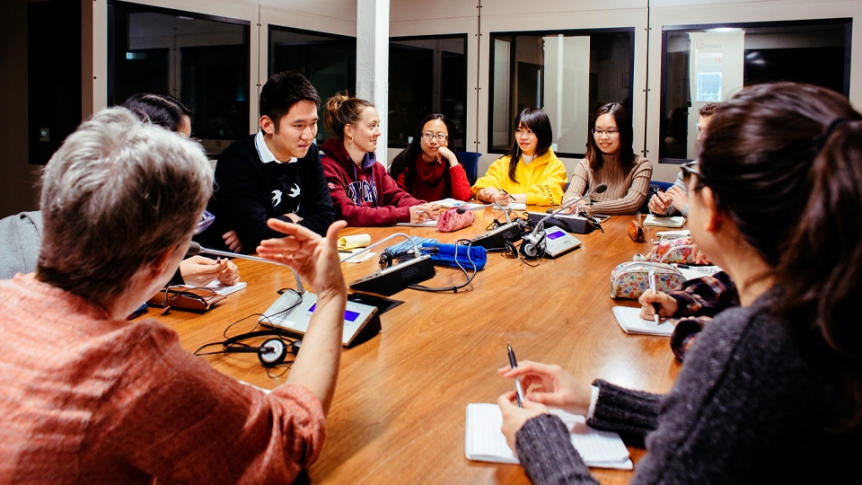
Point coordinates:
[[470, 161], [653, 186], [663, 186]]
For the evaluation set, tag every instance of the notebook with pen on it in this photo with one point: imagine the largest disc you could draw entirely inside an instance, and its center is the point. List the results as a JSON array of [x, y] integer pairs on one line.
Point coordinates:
[[483, 440], [631, 322]]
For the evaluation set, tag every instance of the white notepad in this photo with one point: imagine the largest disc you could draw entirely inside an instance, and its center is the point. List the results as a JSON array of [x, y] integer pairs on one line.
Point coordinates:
[[225, 290], [450, 202], [429, 223], [346, 253], [675, 221], [631, 322], [694, 272], [483, 440]]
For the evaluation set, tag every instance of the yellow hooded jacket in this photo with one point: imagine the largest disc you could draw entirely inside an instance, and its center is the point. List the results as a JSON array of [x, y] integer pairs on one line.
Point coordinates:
[[542, 180]]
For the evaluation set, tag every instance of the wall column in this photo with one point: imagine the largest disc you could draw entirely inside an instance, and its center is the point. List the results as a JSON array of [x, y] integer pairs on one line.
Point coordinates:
[[372, 63]]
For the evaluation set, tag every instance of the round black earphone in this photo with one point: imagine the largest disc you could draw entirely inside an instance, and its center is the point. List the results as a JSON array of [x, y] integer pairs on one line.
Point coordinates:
[[533, 250], [271, 353]]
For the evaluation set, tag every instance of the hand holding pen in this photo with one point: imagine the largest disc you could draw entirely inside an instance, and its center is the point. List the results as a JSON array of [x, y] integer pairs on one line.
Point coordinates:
[[514, 363], [652, 289]]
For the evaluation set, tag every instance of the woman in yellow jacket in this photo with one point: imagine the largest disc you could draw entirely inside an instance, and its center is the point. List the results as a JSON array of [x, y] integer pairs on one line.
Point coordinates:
[[536, 177]]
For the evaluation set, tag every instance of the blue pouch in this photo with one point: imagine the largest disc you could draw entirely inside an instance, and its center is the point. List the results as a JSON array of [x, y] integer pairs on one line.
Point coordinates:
[[444, 254]]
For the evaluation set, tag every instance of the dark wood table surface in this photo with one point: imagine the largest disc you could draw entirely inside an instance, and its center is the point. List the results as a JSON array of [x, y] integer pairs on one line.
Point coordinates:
[[399, 409]]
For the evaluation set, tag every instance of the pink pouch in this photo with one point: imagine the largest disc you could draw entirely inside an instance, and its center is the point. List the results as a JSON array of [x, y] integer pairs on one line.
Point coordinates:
[[455, 218]]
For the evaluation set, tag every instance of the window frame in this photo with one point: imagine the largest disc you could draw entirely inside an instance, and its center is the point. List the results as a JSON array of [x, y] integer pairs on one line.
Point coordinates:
[[463, 36], [666, 29], [294, 30], [543, 33], [176, 13], [181, 13]]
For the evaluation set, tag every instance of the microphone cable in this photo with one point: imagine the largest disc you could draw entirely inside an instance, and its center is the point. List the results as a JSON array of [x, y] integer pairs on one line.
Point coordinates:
[[454, 289]]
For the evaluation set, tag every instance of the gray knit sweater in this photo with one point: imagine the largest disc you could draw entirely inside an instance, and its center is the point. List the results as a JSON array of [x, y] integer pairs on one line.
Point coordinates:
[[746, 408], [20, 240]]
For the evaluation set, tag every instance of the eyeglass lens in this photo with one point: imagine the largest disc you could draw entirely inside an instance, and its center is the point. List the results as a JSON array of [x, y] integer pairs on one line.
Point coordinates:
[[440, 137]]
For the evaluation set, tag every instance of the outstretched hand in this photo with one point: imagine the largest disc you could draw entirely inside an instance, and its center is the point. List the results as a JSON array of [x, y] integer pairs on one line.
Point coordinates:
[[315, 259]]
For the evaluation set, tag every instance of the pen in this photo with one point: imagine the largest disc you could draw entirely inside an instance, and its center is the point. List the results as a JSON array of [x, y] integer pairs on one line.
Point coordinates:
[[652, 288], [708, 270], [514, 363]]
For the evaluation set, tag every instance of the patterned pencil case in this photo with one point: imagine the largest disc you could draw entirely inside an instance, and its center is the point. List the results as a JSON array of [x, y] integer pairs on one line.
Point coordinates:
[[671, 250], [631, 279]]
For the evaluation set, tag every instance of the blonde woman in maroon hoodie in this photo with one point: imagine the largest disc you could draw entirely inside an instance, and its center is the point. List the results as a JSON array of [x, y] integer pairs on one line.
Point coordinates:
[[362, 192]]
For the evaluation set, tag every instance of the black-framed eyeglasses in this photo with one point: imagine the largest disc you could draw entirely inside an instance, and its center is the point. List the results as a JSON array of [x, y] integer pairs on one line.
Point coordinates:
[[439, 136], [689, 168], [600, 133]]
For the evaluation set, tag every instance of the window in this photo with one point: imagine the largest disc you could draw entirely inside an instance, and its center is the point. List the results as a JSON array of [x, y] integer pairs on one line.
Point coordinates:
[[327, 60], [568, 74], [427, 75], [53, 76], [709, 63], [201, 60]]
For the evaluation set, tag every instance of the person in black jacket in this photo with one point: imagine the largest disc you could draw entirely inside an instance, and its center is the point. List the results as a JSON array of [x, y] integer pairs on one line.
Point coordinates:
[[274, 174], [771, 392]]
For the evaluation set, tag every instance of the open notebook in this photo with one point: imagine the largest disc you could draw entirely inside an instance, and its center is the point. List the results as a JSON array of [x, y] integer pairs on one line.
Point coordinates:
[[631, 322], [483, 440]]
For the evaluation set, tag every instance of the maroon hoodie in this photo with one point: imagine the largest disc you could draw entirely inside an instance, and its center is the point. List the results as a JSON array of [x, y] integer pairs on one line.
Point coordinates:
[[363, 196]]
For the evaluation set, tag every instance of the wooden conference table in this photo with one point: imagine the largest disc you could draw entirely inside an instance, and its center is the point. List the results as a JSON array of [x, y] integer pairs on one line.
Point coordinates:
[[399, 409]]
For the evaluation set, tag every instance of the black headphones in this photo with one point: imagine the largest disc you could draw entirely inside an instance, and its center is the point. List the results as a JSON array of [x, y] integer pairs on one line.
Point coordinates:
[[272, 353], [533, 250]]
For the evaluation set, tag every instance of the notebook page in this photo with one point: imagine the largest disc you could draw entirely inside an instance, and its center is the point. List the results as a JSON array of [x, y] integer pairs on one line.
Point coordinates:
[[222, 289], [485, 441], [675, 221], [592, 444], [631, 322]]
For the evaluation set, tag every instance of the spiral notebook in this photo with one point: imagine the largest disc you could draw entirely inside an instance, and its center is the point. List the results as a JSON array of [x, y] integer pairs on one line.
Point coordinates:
[[483, 440]]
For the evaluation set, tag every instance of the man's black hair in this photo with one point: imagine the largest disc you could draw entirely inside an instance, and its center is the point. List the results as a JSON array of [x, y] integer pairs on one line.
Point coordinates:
[[282, 91]]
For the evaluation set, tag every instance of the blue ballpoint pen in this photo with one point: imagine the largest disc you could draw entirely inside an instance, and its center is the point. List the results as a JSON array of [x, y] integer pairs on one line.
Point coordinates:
[[514, 363]]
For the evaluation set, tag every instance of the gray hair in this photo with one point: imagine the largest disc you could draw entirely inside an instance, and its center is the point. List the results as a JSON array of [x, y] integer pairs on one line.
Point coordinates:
[[115, 197]]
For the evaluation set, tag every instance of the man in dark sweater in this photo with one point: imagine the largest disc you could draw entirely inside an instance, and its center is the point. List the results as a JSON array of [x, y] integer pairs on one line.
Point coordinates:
[[274, 174]]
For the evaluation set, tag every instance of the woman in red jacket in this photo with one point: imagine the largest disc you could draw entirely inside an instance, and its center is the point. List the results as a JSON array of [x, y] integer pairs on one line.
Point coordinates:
[[362, 192], [427, 168]]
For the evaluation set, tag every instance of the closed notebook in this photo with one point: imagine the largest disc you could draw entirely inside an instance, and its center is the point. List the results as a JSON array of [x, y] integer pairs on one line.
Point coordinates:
[[675, 221], [483, 440], [631, 322]]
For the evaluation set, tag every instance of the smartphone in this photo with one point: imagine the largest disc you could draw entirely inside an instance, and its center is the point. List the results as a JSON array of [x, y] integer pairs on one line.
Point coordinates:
[[601, 217]]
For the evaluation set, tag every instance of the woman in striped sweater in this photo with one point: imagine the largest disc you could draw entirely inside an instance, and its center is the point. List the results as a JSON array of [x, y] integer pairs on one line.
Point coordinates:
[[610, 161]]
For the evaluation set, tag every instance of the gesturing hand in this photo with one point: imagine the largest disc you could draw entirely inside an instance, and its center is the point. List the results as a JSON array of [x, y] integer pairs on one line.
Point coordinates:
[[314, 258]]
